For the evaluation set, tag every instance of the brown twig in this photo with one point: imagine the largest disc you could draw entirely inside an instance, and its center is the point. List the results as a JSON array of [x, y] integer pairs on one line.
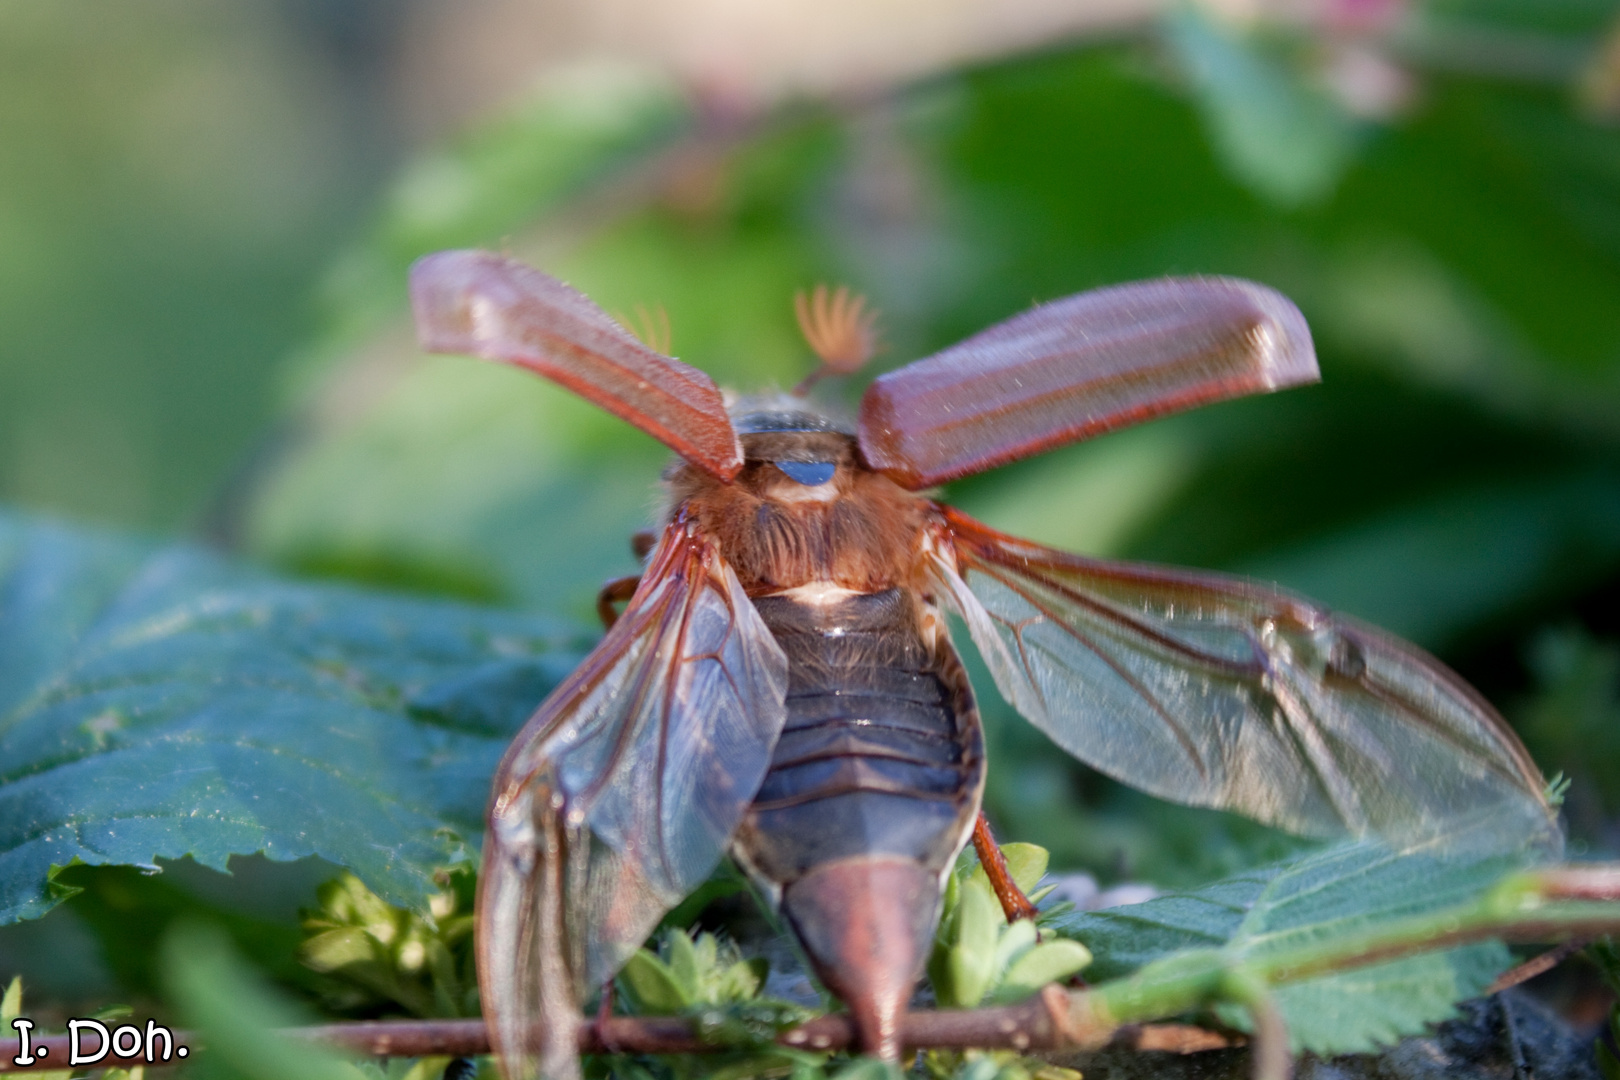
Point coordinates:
[[1272, 1059], [1042, 1023], [1174, 1038], [1595, 881], [1536, 965]]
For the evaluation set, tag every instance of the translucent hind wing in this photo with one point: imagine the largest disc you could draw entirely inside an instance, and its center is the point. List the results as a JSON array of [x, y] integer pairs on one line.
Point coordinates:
[[620, 796], [1220, 692], [1078, 367], [485, 305]]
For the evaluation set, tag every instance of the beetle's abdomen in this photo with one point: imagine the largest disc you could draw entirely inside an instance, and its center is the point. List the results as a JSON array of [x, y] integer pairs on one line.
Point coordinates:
[[871, 793], [874, 758]]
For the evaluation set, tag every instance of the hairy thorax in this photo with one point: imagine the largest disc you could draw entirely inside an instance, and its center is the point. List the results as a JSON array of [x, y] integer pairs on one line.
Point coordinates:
[[855, 530]]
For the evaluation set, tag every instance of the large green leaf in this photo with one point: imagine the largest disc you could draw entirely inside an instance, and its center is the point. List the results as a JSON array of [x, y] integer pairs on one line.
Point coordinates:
[[1277, 917], [156, 703]]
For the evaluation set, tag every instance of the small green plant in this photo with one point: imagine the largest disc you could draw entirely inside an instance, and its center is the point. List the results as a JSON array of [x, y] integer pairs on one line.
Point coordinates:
[[380, 957], [706, 977], [978, 958], [981, 959], [690, 971]]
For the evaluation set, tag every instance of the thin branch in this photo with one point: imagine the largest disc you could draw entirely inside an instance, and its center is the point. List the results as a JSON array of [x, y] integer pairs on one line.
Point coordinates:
[[1174, 1038], [1034, 1025], [1593, 881], [1537, 965], [1272, 1060]]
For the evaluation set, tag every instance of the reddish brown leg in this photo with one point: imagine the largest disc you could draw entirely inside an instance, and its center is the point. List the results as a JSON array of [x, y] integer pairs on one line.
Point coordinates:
[[1013, 901], [614, 592]]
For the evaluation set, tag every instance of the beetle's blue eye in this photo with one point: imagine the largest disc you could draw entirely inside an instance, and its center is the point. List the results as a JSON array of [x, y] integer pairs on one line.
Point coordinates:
[[809, 473]]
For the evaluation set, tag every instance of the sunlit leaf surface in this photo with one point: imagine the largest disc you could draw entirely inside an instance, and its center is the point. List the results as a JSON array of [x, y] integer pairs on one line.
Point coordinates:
[[1272, 913], [156, 703]]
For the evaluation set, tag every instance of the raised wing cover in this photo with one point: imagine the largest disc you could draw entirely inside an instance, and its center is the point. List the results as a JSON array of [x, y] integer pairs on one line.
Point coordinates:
[[483, 304], [1078, 367]]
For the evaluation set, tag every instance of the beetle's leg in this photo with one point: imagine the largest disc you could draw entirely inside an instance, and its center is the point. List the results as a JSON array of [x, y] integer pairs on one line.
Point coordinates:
[[615, 591], [621, 589], [1013, 901]]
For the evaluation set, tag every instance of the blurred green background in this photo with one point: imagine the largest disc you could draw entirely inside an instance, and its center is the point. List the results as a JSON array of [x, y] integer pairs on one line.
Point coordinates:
[[207, 211]]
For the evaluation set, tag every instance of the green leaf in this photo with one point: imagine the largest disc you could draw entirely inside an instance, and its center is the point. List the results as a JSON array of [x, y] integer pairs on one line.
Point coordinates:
[[11, 1003], [743, 980], [469, 477], [1368, 1008], [705, 954], [685, 963], [970, 965], [337, 948], [948, 905], [1048, 962], [977, 954], [652, 986], [1014, 940], [692, 971], [157, 703], [1274, 916], [1025, 862]]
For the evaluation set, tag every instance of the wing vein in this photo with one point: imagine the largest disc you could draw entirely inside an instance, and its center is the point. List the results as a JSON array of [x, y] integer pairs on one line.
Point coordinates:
[[1148, 697], [1291, 715]]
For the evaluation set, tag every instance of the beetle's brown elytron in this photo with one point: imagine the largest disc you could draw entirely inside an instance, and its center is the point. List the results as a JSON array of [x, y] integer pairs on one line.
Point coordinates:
[[782, 686]]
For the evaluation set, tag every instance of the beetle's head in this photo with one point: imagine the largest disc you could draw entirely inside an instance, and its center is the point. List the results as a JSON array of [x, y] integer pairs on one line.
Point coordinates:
[[792, 450]]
